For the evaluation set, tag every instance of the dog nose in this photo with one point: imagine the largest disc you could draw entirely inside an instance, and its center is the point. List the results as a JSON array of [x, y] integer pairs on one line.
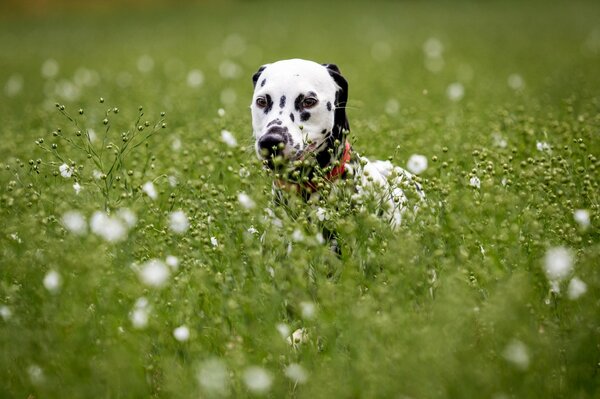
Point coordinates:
[[271, 144]]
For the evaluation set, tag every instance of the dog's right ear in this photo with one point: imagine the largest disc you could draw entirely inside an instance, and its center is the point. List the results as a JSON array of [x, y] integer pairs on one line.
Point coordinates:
[[257, 75]]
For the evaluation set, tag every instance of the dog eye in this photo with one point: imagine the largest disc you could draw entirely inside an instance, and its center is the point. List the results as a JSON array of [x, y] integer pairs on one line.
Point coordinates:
[[261, 102], [309, 102]]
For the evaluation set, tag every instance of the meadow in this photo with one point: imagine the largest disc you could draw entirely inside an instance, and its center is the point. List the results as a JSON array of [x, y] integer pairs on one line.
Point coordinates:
[[142, 254]]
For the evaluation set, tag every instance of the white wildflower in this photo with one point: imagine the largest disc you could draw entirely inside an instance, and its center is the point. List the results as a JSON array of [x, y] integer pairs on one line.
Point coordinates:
[[128, 216], [515, 81], [221, 112], [172, 180], [245, 200], [308, 310], [96, 174], [109, 228], [433, 48], [297, 235], [176, 144], [214, 241], [178, 222], [150, 190], [13, 85], [516, 353], [582, 217], [172, 262], [181, 333], [213, 377], [74, 222], [145, 63], [392, 106], [195, 78], [257, 379], [319, 237], [296, 373], [77, 187], [66, 171], [576, 288], [558, 263], [50, 68], [542, 146], [252, 230], [283, 329], [154, 273], [298, 337], [321, 214], [475, 182], [140, 313], [52, 281], [455, 92], [36, 374], [228, 138], [5, 312], [417, 163]]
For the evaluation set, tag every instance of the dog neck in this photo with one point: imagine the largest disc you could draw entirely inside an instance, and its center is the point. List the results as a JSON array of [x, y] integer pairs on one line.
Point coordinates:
[[314, 182]]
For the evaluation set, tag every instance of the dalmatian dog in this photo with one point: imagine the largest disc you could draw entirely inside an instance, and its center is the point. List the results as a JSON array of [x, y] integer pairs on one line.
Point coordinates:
[[300, 129]]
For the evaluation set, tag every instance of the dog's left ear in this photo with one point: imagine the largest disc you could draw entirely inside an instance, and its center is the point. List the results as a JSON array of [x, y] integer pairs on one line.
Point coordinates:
[[341, 98], [257, 75]]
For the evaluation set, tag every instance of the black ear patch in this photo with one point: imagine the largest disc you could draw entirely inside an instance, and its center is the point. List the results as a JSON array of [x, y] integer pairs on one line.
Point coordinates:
[[256, 76], [341, 123]]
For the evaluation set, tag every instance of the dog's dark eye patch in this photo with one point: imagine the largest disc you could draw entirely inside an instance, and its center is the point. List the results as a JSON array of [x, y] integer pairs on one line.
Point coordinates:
[[292, 117], [263, 82], [269, 104], [328, 105], [282, 102], [304, 116], [298, 102]]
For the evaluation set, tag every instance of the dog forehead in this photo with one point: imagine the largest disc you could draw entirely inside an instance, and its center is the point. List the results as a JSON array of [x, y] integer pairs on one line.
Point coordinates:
[[296, 74]]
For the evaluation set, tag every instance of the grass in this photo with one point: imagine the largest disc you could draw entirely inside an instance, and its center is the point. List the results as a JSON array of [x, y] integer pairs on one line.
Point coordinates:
[[455, 304]]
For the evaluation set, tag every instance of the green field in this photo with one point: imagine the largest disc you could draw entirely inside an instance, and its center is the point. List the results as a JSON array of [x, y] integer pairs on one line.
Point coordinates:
[[130, 268]]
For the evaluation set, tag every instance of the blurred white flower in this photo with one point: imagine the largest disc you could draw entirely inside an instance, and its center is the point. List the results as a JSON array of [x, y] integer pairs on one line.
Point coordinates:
[[297, 235], [195, 78], [178, 222], [5, 312], [154, 273], [50, 68], [475, 182], [13, 85], [542, 146], [52, 281], [298, 337], [77, 187], [228, 96], [582, 217], [576, 288], [319, 237], [252, 230], [284, 330], [214, 241], [66, 171], [417, 163], [308, 310], [433, 47], [229, 70], [172, 261], [296, 373], [558, 263], [74, 222], [176, 144], [139, 314], [213, 377], [499, 140], [150, 190], [516, 353], [181, 333], [228, 138], [221, 112], [109, 228], [145, 63], [515, 81], [392, 106], [455, 91], [36, 374], [257, 379], [245, 200], [172, 180], [128, 216], [96, 174]]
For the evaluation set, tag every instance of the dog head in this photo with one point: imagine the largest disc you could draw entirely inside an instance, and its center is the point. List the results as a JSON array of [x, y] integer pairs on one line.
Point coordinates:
[[299, 110]]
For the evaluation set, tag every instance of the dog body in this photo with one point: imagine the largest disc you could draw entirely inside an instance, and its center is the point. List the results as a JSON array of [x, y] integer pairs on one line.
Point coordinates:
[[299, 122]]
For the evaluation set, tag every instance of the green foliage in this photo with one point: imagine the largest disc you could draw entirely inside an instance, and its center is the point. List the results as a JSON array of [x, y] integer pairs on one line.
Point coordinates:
[[155, 223]]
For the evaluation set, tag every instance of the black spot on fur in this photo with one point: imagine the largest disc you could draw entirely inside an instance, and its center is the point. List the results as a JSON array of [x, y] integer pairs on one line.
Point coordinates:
[[292, 117], [328, 106], [304, 116], [269, 104], [263, 82], [298, 102], [282, 102], [274, 122], [323, 131]]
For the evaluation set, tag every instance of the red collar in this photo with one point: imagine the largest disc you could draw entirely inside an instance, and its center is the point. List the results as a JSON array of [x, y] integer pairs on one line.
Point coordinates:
[[331, 176]]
